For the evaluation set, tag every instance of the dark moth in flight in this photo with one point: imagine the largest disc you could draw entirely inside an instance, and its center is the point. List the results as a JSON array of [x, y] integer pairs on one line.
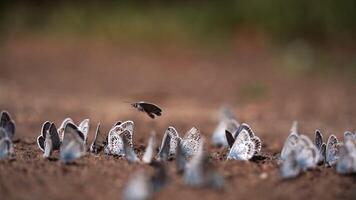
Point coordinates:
[[150, 109]]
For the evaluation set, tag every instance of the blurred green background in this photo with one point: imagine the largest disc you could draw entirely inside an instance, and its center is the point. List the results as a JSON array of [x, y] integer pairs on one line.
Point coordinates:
[[306, 34], [185, 20]]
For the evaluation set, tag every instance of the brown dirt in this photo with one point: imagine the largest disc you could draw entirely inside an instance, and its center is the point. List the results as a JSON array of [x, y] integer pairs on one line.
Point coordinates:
[[44, 79]]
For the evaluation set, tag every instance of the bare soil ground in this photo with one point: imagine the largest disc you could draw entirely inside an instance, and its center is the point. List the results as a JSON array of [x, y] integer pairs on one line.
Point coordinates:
[[52, 79]]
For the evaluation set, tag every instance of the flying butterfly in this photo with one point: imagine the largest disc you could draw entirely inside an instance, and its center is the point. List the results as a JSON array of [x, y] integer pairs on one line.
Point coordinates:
[[150, 109]]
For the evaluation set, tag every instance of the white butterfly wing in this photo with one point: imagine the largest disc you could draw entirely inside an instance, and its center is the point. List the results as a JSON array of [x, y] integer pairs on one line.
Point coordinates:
[[191, 142], [243, 147], [115, 144], [84, 128], [289, 145]]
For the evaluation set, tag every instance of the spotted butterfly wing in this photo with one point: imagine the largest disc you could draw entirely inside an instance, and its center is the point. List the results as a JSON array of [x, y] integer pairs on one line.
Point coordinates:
[[191, 142], [115, 145], [332, 151], [243, 147]]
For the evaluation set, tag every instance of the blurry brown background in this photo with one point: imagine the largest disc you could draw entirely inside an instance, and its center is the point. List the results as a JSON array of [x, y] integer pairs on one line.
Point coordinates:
[[272, 61]]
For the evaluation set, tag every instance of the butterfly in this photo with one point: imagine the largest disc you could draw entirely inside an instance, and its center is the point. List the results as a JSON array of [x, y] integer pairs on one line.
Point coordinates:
[[8, 125], [143, 186], [115, 143], [150, 109], [49, 134], [190, 143], [148, 155], [6, 147], [169, 144], [83, 127], [299, 154], [290, 167], [100, 140], [199, 172], [332, 153], [227, 122], [244, 144], [349, 135], [290, 142], [346, 163], [307, 153], [320, 145], [73, 144]]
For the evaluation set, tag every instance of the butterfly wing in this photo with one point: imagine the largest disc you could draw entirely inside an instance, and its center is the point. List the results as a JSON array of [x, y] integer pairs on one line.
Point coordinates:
[[349, 135], [290, 167], [150, 108], [63, 125], [163, 152], [194, 175], [56, 141], [191, 142], [128, 149], [289, 144], [227, 122], [332, 150], [115, 144], [173, 133], [181, 160], [229, 138], [40, 142], [318, 139], [84, 128], [48, 146], [8, 124], [148, 155], [243, 147], [72, 146], [294, 128], [99, 141], [6, 148], [41, 138]]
